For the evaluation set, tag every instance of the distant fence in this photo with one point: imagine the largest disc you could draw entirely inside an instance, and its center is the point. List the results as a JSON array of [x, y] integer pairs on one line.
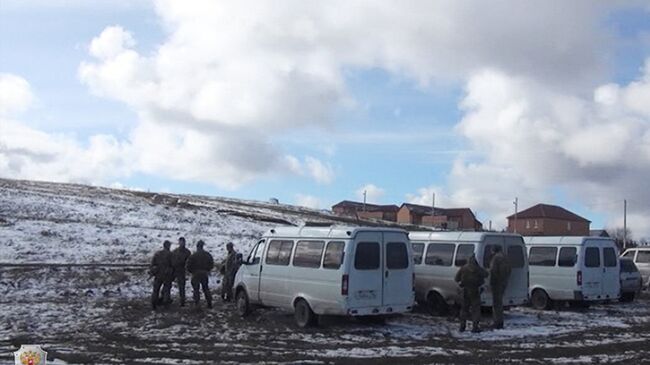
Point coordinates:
[[66, 265]]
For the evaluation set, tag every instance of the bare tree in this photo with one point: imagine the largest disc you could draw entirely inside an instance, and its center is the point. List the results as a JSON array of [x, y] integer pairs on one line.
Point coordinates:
[[618, 235]]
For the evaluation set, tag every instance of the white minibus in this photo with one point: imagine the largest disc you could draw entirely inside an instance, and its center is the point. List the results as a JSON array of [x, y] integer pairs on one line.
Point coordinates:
[[439, 255], [577, 270], [353, 271]]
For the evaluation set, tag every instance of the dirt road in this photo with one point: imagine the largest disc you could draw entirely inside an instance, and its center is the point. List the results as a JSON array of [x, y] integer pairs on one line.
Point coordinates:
[[102, 316]]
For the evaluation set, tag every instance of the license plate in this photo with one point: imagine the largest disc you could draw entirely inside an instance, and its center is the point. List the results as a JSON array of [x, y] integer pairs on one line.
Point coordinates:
[[366, 294]]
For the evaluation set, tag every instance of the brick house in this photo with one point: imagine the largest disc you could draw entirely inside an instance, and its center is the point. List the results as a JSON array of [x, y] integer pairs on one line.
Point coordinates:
[[348, 208], [455, 219], [548, 220]]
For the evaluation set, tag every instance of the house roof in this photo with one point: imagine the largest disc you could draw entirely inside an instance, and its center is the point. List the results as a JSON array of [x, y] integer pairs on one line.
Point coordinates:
[[549, 211], [449, 212], [369, 207]]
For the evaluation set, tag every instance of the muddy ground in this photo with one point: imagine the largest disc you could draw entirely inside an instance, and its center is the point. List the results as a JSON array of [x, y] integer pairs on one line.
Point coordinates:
[[102, 316]]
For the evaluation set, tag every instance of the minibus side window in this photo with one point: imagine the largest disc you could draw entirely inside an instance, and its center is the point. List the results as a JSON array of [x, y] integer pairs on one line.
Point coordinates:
[[609, 256], [366, 256], [333, 255], [418, 252], [516, 257], [542, 256], [568, 257], [397, 256], [279, 252], [643, 257], [592, 257], [308, 253], [440, 254], [463, 253]]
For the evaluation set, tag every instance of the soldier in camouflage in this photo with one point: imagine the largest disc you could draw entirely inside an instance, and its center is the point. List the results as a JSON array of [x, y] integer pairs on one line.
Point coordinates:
[[199, 265], [162, 272], [179, 260], [470, 277], [499, 275], [229, 270]]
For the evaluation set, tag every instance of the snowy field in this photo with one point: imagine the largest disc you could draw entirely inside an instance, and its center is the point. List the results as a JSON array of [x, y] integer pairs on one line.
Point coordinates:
[[101, 315]]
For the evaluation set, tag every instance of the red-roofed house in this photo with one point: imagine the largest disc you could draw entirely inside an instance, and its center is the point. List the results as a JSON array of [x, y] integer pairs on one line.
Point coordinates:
[[365, 211], [462, 219], [548, 220]]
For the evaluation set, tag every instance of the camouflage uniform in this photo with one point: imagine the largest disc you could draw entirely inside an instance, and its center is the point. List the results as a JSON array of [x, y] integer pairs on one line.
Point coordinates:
[[161, 270], [230, 269], [179, 259], [199, 265], [499, 274], [470, 277]]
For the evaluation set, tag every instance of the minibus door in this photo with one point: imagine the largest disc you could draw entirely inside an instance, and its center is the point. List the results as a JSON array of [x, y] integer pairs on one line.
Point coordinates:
[[365, 280], [611, 273], [251, 271], [398, 270], [592, 273]]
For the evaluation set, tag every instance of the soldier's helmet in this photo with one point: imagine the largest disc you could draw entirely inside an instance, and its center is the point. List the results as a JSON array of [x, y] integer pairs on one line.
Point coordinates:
[[167, 244], [200, 244]]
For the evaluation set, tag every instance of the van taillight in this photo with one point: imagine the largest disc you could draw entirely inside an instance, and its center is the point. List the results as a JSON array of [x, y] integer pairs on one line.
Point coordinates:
[[344, 284], [579, 278]]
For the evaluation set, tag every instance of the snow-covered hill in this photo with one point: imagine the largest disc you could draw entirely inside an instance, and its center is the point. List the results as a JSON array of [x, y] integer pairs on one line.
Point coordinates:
[[69, 223]]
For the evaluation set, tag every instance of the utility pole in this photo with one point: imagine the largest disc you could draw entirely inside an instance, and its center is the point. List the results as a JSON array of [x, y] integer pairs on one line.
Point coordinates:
[[433, 208], [490, 226], [365, 192], [516, 203], [624, 224]]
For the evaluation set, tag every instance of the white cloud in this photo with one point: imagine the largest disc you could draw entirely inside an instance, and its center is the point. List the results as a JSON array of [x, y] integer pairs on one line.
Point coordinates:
[[27, 153], [308, 201], [232, 76], [534, 138], [321, 172], [373, 193], [15, 94]]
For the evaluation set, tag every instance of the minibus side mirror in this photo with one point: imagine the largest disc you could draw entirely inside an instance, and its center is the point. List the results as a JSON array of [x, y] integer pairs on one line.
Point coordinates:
[[256, 261]]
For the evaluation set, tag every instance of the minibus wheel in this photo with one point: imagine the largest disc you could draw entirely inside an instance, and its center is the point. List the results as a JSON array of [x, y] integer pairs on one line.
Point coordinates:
[[627, 297], [303, 314], [243, 306], [540, 299], [436, 304]]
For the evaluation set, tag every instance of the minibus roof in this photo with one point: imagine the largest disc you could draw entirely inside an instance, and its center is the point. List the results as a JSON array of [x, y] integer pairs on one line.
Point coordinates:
[[563, 240], [338, 232], [455, 236]]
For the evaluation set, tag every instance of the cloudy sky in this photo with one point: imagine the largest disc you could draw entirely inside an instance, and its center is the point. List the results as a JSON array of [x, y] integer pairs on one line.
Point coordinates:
[[315, 102]]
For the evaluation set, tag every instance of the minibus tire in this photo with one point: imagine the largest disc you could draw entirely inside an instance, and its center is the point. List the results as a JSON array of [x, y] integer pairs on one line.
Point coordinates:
[[540, 300], [303, 314], [242, 303], [627, 297], [436, 305]]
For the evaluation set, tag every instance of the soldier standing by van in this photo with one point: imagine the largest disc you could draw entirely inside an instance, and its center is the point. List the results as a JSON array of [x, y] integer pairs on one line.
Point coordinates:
[[230, 269], [470, 277], [199, 265], [179, 260], [499, 275], [161, 270]]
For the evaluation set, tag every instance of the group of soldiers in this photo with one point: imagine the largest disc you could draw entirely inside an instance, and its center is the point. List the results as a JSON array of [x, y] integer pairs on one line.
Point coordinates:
[[168, 266], [471, 277]]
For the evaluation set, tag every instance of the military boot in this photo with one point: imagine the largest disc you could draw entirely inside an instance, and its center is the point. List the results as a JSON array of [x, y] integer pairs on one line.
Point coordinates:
[[463, 326]]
